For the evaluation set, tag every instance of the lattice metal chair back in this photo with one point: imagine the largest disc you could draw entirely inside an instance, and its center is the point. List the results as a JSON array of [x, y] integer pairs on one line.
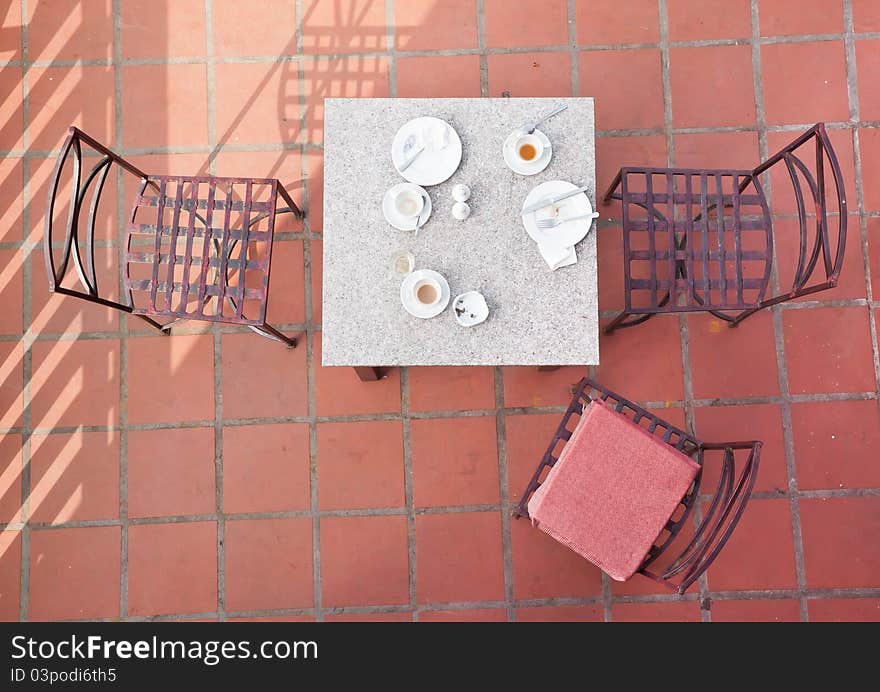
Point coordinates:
[[702, 240], [673, 559], [197, 247]]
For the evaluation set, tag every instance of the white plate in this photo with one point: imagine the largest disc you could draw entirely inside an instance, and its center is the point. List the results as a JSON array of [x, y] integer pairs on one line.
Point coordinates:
[[440, 158], [411, 306], [532, 167], [566, 234], [395, 218], [470, 309]]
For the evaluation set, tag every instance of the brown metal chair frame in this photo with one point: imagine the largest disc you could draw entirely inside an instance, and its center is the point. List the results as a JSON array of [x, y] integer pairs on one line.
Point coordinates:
[[223, 240], [672, 236], [720, 517]]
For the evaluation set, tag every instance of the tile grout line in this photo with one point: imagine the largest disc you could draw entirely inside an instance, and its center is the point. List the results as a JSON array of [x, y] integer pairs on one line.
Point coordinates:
[[571, 12], [123, 321], [778, 329], [408, 491], [391, 37], [481, 48], [504, 493], [27, 341]]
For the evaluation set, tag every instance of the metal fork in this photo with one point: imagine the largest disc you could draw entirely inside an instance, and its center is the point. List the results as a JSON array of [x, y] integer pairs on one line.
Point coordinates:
[[553, 223], [528, 127]]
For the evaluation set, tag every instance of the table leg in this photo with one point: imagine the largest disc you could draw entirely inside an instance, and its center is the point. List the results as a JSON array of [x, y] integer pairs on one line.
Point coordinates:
[[548, 368], [368, 374]]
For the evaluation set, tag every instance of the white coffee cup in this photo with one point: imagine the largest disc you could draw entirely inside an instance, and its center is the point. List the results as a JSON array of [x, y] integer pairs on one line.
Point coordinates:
[[427, 292], [529, 144], [408, 203]]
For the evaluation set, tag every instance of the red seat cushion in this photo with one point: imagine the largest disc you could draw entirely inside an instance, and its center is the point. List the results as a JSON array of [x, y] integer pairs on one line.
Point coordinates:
[[612, 490]]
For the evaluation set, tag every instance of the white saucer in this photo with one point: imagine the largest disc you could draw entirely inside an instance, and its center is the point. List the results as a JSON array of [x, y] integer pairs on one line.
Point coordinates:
[[437, 162], [532, 167], [566, 234], [392, 216], [414, 308], [470, 309]]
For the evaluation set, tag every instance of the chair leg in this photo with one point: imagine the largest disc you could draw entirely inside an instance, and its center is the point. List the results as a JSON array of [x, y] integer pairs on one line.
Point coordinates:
[[741, 316], [548, 368], [618, 322], [368, 374], [160, 327], [289, 200], [271, 333], [614, 185]]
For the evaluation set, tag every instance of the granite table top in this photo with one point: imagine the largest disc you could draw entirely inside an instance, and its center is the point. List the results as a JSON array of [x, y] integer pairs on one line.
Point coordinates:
[[537, 316]]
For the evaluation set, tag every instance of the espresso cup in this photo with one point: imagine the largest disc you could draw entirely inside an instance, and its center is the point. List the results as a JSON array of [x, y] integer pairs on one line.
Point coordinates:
[[529, 148], [408, 203], [426, 292]]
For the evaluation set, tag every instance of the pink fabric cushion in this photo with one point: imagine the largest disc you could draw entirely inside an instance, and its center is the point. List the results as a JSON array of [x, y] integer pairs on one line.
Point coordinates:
[[612, 491]]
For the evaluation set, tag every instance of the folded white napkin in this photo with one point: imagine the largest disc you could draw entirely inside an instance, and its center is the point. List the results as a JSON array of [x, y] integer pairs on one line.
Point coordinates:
[[557, 256]]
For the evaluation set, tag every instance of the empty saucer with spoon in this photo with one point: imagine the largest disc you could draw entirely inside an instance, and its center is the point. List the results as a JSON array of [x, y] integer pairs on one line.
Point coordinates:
[[406, 206]]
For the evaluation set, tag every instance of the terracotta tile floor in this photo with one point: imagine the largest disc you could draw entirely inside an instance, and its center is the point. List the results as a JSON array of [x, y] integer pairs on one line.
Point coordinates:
[[215, 475]]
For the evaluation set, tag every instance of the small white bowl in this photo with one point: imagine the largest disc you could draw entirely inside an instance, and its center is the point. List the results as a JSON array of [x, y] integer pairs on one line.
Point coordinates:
[[461, 193], [470, 309], [461, 210]]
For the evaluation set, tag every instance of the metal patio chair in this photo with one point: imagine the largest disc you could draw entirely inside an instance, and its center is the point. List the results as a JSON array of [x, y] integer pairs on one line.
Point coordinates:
[[702, 240], [196, 248], [618, 496]]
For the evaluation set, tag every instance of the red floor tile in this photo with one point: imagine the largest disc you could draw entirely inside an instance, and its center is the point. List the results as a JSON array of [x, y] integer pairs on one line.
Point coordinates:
[[11, 109], [350, 77], [171, 472], [790, 17], [458, 557], [851, 284], [478, 615], [344, 26], [256, 103], [287, 304], [172, 568], [182, 364], [10, 25], [756, 611], [610, 262], [147, 91], [528, 386], [530, 74], [144, 28], [70, 30], [10, 479], [364, 561], [844, 610], [266, 468], [527, 439], [674, 611], [712, 19], [643, 363], [275, 618], [57, 99], [544, 568], [11, 204], [828, 350], [612, 153], [317, 267], [838, 552], [637, 100], [760, 552], [874, 250], [868, 61], [395, 616], [607, 22], [269, 564], [754, 422], [429, 25], [454, 461], [264, 22], [526, 23], [315, 184], [262, 377], [733, 362], [74, 477], [11, 262], [11, 384], [360, 465], [869, 146], [717, 150], [586, 613], [866, 15], [75, 383], [339, 391], [10, 575], [74, 574], [726, 95], [451, 389], [835, 444], [438, 76], [804, 82]]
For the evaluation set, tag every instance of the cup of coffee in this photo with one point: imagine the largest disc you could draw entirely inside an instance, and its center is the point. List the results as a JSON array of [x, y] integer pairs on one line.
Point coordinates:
[[427, 292], [529, 148], [408, 202]]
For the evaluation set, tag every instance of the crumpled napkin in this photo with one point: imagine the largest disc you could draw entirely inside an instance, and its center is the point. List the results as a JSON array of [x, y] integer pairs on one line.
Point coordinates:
[[557, 256]]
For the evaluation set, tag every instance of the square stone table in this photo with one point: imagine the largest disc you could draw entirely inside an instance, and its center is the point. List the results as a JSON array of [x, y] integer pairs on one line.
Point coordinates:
[[537, 316]]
